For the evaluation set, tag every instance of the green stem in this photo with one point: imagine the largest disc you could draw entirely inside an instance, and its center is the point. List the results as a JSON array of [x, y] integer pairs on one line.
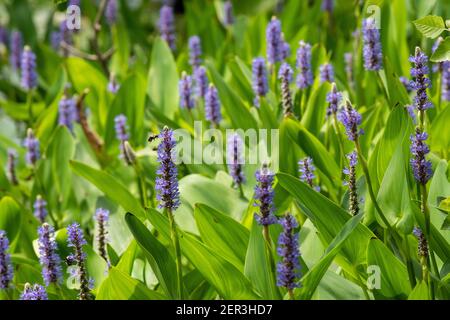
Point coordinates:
[[176, 244], [269, 252], [291, 294], [409, 265], [427, 217], [30, 107]]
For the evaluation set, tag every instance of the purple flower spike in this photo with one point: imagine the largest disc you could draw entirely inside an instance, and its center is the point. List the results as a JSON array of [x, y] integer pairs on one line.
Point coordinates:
[[201, 81], [28, 69], [285, 49], [228, 13], [167, 26], [422, 248], [111, 12], [350, 172], [445, 87], [288, 269], [75, 239], [285, 74], [436, 66], [6, 269], [166, 184], [36, 292], [306, 168], [274, 41], [372, 54], [212, 105], [120, 125], [195, 52], [305, 76], [40, 208], [55, 40], [32, 145], [236, 159], [66, 36], [326, 73], [15, 47], [420, 83], [11, 166], [3, 36], [48, 256], [113, 85], [334, 97], [185, 89], [259, 79], [351, 119], [419, 149], [348, 59], [68, 112], [327, 5], [102, 218], [264, 196]]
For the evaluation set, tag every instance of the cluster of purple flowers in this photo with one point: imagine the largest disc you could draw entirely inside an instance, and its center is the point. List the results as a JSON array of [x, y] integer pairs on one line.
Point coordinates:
[[48, 256], [33, 149], [236, 159], [40, 208], [11, 166], [259, 79], [167, 25], [111, 12], [334, 97], [372, 54], [420, 83], [195, 52], [102, 218], [351, 119], [68, 113], [445, 86], [350, 172], [306, 168], [28, 69], [274, 41], [305, 76], [186, 94], [201, 81], [212, 105], [285, 74], [264, 196], [419, 149], [15, 47], [6, 269], [288, 269], [36, 292], [326, 73]]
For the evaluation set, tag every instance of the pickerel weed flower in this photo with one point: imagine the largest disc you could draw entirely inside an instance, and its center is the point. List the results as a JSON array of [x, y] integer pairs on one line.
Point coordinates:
[[36, 292], [75, 239], [406, 83], [28, 69], [288, 269], [68, 113], [351, 119], [285, 49], [185, 89], [120, 126], [422, 248], [437, 66], [6, 269], [420, 83], [195, 52], [236, 159], [334, 98], [372, 53], [306, 168], [40, 208], [445, 86], [111, 12], [274, 41], [15, 47], [102, 218], [166, 184], [259, 79], [212, 105], [285, 74], [228, 13], [305, 76], [32, 145], [201, 81], [113, 85], [3, 36], [55, 40], [350, 172], [326, 73], [264, 196], [348, 60], [11, 166], [327, 5], [167, 26], [419, 149], [48, 256]]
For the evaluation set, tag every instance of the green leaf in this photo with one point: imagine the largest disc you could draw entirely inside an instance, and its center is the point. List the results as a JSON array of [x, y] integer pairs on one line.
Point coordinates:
[[229, 282], [430, 26], [157, 255], [109, 186], [257, 267], [442, 52], [311, 280], [120, 286], [10, 217], [420, 292], [223, 234], [394, 283], [162, 84]]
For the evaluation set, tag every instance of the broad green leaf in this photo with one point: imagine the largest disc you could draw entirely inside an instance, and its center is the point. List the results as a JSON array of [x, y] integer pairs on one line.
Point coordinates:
[[442, 52], [110, 186], [10, 218], [420, 292], [162, 86], [127, 259], [394, 283], [222, 233], [229, 282], [430, 26], [311, 280], [440, 132], [120, 286], [157, 255], [257, 267]]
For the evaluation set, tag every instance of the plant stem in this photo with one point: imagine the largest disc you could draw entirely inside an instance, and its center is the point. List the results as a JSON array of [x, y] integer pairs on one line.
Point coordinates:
[[409, 265], [427, 217], [176, 244], [30, 107], [269, 252], [291, 294]]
